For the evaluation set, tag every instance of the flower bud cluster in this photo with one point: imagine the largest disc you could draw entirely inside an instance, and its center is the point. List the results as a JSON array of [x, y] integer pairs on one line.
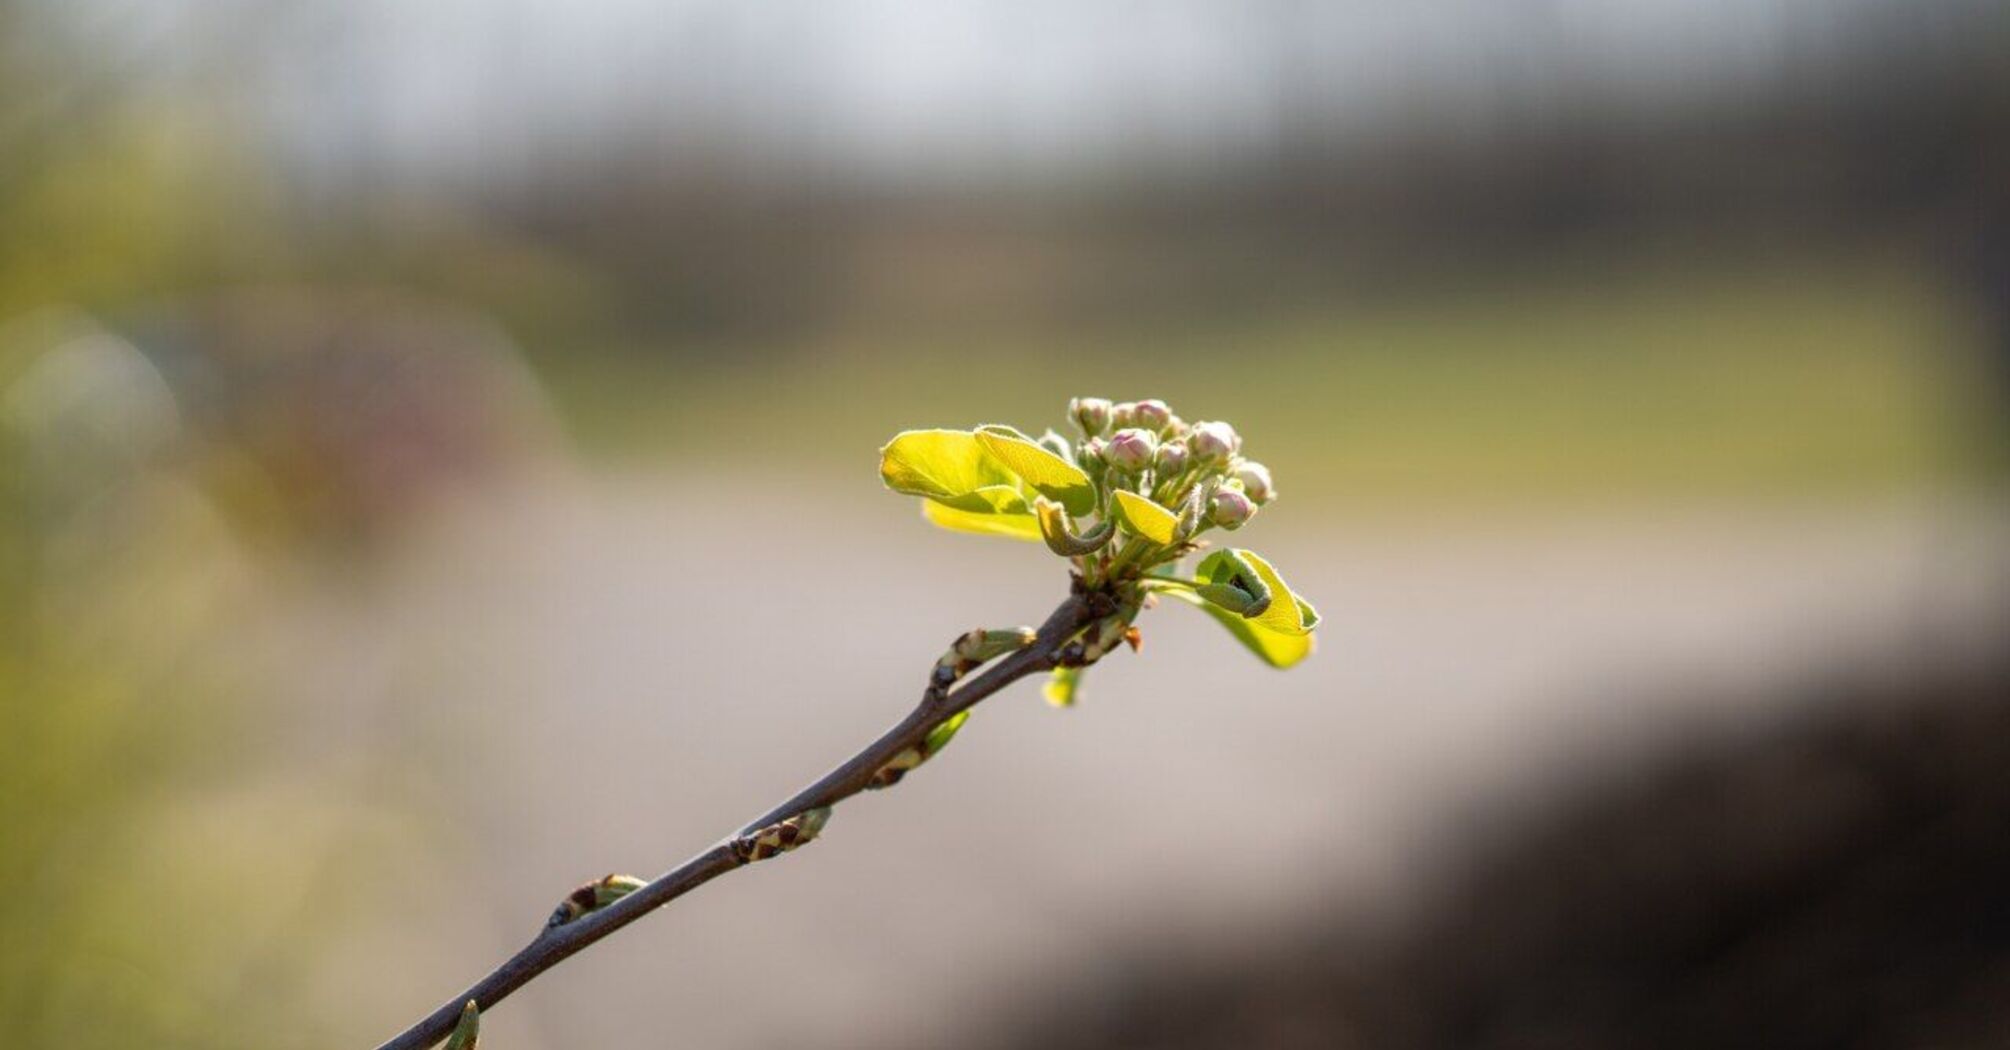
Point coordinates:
[[1144, 447]]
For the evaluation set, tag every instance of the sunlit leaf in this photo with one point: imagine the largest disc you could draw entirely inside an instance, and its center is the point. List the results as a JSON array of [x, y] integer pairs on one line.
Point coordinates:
[[1053, 477], [1061, 686], [1306, 613], [1018, 526], [945, 465], [1281, 635], [1148, 519], [1273, 647]]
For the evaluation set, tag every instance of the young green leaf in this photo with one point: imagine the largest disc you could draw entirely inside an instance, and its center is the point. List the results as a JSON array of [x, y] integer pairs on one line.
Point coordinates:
[[1050, 475], [1230, 581], [1054, 529], [1283, 617], [1061, 686], [1148, 519], [468, 1030], [1275, 648], [1306, 613], [1018, 526], [939, 737], [945, 465]]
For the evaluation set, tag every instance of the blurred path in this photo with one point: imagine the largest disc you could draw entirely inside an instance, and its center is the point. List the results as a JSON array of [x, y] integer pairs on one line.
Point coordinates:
[[631, 684]]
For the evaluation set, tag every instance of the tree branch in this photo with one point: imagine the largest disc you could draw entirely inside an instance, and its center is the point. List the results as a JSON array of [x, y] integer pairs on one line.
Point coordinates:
[[558, 943]]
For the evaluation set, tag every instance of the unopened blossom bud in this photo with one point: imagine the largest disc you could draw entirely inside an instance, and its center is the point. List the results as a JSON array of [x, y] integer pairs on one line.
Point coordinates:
[[1092, 414], [1172, 459], [1152, 415], [1124, 414], [1231, 509], [1213, 443], [1089, 454], [1057, 444], [1132, 450], [1255, 478]]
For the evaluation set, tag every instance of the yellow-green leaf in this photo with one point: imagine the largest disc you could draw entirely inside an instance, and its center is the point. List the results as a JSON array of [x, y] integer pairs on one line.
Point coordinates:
[[1061, 686], [945, 465], [939, 737], [1148, 519], [1288, 613], [1053, 477], [1281, 635], [1022, 526], [1276, 648]]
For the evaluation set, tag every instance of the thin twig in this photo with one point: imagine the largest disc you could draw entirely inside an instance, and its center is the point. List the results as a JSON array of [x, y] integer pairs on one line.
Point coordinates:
[[557, 943]]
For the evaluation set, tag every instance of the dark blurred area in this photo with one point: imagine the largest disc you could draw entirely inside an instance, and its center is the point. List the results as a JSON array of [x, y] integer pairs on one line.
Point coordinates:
[[379, 382], [1830, 882]]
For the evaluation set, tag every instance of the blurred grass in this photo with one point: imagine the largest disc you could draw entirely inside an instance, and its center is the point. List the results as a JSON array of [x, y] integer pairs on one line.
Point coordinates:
[[1652, 382]]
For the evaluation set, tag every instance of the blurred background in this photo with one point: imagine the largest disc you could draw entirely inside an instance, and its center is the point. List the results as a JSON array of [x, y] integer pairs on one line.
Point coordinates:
[[439, 451]]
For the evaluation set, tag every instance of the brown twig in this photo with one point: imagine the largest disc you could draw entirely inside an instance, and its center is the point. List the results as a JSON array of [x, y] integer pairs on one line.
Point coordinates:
[[557, 943]]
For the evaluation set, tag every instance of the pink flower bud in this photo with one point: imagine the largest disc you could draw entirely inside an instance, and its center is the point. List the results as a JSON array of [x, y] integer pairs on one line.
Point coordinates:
[[1089, 454], [1131, 450], [1152, 415], [1213, 443], [1124, 414], [1231, 508], [1172, 458], [1255, 478], [1092, 414]]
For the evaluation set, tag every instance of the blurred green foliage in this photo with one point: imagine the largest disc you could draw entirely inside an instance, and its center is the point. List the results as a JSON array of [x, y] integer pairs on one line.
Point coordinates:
[[1694, 381], [139, 893]]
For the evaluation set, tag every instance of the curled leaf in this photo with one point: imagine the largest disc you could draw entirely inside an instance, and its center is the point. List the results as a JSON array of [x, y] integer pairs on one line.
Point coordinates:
[[1280, 635], [1232, 582], [1285, 617], [1054, 529], [1272, 647]]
